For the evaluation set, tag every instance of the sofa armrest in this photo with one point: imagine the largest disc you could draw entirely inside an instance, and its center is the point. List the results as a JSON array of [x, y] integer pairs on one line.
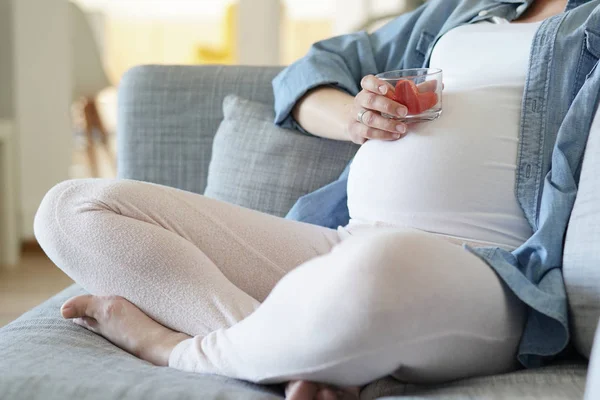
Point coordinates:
[[168, 116], [592, 385]]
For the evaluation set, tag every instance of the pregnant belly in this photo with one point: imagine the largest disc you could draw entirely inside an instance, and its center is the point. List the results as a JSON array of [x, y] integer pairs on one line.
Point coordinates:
[[450, 176]]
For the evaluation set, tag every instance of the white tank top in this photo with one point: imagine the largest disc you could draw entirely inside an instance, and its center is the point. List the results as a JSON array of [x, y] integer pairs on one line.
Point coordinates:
[[455, 176]]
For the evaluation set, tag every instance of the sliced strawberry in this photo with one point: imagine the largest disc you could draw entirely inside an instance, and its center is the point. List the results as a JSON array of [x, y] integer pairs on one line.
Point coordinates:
[[408, 94], [427, 100]]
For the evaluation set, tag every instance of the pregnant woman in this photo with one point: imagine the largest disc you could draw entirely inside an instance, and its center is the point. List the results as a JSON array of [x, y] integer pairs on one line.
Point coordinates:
[[450, 264]]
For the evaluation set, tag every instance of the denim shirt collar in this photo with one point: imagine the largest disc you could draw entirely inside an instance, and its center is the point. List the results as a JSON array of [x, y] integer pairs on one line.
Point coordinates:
[[570, 4], [523, 5], [487, 9]]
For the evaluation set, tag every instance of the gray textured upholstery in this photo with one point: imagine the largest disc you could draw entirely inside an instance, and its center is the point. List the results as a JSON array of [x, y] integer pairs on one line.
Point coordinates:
[[45, 357], [559, 382], [581, 261], [258, 165], [592, 389], [168, 116]]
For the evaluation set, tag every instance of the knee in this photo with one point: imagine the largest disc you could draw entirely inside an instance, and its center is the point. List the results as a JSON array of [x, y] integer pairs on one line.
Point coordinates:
[[44, 221], [68, 197], [63, 209], [385, 254], [46, 225], [386, 267]]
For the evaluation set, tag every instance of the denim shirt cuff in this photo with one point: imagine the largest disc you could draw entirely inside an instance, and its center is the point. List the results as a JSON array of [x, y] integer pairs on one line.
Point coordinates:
[[294, 82]]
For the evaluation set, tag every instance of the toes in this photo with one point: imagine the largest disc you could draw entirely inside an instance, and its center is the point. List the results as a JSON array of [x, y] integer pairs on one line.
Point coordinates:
[[87, 322], [344, 395], [350, 392], [290, 387], [301, 390], [79, 306], [327, 394], [305, 390]]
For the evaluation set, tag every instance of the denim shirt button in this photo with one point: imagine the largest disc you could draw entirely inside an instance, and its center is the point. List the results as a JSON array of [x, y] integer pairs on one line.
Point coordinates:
[[483, 13]]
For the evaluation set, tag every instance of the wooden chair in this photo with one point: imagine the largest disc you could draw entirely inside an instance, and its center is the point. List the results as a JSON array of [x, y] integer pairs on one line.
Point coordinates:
[[89, 78]]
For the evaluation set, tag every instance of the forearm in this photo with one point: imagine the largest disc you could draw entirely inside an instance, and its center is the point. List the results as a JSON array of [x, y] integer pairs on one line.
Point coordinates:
[[324, 112]]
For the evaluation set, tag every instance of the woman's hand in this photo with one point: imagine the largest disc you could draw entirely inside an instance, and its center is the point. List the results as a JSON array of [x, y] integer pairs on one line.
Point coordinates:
[[373, 101]]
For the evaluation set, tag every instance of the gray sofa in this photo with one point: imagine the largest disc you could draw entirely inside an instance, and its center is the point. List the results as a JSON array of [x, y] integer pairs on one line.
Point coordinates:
[[168, 117]]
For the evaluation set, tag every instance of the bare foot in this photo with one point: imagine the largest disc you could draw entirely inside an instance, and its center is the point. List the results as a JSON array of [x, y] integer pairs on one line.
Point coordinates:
[[305, 390], [125, 325]]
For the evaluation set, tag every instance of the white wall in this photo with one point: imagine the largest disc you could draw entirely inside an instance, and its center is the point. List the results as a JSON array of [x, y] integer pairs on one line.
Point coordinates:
[[41, 100], [259, 32], [6, 89], [353, 13]]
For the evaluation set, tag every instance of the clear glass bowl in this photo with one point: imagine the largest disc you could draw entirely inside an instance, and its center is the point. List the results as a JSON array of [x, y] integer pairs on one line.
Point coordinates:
[[419, 89]]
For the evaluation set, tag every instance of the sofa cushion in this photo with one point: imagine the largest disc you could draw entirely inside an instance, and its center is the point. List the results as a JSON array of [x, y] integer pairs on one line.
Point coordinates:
[[558, 382], [45, 357], [261, 166], [592, 389], [581, 262]]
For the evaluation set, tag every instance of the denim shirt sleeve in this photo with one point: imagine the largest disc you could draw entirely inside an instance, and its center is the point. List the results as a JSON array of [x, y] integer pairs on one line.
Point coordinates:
[[325, 207], [342, 62]]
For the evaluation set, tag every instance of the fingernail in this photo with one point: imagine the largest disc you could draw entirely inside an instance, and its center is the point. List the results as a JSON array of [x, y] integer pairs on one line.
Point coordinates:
[[401, 128], [402, 112], [383, 89], [397, 136]]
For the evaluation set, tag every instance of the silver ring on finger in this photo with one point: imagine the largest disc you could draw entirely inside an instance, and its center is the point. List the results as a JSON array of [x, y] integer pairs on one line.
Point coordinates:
[[360, 115]]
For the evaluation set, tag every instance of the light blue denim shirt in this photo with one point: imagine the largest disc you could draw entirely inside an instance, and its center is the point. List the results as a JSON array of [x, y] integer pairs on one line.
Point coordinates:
[[559, 102]]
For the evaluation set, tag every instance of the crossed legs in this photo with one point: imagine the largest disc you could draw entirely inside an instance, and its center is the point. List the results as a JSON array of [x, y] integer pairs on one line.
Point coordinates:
[[231, 291]]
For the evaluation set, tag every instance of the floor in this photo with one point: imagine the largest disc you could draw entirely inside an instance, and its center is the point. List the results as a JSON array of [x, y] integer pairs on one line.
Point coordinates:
[[34, 280]]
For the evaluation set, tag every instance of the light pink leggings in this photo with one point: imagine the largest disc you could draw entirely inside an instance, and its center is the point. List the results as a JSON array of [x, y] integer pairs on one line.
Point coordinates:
[[270, 300]]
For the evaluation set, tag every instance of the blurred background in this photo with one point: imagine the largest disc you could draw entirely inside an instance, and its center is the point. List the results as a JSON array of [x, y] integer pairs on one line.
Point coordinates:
[[61, 63]]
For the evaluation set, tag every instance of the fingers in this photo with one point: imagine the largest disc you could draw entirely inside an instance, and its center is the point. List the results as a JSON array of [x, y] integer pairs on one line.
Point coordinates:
[[375, 120], [362, 132], [379, 86], [372, 101], [375, 85], [376, 98], [79, 306]]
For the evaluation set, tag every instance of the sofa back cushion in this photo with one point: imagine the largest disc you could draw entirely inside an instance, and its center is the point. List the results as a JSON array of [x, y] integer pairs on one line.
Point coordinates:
[[261, 166], [581, 262]]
